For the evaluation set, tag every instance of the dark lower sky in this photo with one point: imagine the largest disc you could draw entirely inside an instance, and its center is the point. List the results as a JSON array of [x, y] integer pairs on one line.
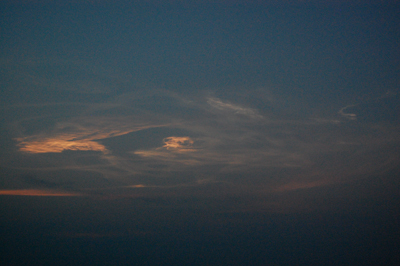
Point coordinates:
[[199, 132]]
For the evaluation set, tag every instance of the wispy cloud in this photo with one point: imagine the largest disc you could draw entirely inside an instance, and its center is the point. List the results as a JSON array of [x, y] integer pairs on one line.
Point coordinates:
[[80, 134], [58, 144], [37, 192], [349, 116], [161, 140], [236, 109], [178, 144]]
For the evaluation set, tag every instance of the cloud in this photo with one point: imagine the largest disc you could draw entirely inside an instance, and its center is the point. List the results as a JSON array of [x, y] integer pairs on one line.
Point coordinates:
[[80, 134], [37, 192], [58, 144], [159, 142], [349, 116], [178, 144], [229, 107], [379, 108]]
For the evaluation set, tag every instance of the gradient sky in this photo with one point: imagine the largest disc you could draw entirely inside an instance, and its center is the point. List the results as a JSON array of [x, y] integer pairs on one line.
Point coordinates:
[[200, 132]]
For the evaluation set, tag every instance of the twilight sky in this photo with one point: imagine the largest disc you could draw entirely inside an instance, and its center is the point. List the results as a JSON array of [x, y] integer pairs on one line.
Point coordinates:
[[182, 132]]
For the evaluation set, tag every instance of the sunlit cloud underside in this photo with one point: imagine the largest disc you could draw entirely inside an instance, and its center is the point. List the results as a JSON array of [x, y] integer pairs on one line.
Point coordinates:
[[37, 192], [59, 145]]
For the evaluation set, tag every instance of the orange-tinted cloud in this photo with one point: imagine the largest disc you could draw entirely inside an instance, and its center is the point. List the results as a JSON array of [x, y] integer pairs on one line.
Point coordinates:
[[79, 135], [37, 192], [178, 144], [59, 144], [175, 149], [296, 185], [137, 186]]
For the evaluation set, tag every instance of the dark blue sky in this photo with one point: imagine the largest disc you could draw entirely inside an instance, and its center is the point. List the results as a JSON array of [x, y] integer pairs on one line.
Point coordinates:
[[199, 132]]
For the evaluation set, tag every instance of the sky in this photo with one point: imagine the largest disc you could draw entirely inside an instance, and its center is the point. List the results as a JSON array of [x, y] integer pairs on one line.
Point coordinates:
[[199, 132]]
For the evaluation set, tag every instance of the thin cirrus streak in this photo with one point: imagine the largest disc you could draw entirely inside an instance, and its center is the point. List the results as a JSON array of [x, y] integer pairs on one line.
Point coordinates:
[[37, 192], [83, 139], [296, 185], [170, 151], [349, 116], [180, 151], [218, 104]]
